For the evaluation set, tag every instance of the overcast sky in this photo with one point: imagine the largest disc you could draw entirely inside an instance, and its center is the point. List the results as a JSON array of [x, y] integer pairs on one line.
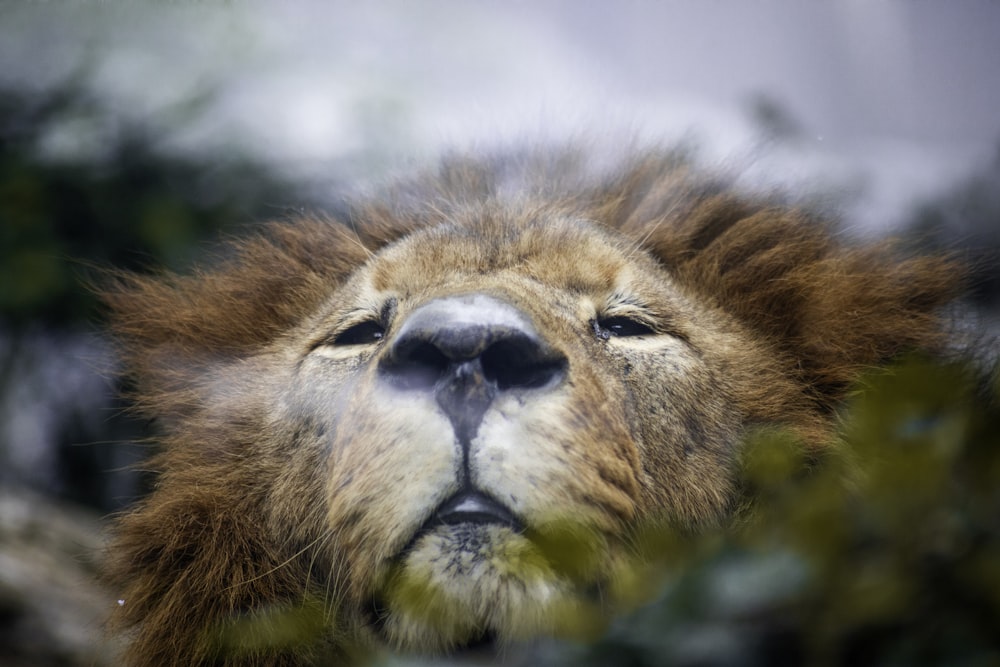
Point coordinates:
[[893, 99]]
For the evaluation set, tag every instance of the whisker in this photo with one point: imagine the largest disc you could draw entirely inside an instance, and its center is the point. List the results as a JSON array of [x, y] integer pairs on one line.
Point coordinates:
[[280, 565]]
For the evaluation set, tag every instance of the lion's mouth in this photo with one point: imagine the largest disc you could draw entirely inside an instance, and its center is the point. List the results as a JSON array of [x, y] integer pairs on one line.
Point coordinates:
[[473, 507], [470, 508]]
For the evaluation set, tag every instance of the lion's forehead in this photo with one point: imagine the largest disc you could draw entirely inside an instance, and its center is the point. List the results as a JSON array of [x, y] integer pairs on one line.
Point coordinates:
[[571, 253]]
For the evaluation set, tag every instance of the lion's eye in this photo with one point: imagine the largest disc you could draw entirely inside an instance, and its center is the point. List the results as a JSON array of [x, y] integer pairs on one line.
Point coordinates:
[[621, 326], [362, 333]]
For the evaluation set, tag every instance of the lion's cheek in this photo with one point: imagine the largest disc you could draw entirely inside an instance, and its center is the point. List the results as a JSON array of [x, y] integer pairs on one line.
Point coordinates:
[[393, 460], [689, 437], [525, 455]]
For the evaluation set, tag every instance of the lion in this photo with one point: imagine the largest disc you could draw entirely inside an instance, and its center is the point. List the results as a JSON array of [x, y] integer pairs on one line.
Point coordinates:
[[439, 419]]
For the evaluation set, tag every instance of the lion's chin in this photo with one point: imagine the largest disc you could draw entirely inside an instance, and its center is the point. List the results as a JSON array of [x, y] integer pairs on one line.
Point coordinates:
[[463, 584]]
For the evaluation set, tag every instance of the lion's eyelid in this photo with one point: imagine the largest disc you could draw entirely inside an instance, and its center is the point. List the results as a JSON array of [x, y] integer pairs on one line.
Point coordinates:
[[351, 327]]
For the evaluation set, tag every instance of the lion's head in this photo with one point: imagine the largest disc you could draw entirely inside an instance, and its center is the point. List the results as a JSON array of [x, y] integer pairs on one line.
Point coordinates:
[[445, 418]]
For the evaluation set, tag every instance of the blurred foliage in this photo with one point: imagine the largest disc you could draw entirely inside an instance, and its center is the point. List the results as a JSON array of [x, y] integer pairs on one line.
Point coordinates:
[[885, 554], [80, 188], [271, 630]]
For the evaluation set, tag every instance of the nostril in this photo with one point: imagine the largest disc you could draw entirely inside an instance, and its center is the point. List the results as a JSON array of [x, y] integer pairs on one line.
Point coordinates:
[[416, 364], [520, 363]]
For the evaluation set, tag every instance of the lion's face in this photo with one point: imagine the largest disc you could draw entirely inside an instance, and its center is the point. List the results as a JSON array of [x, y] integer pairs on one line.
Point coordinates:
[[470, 396], [454, 418]]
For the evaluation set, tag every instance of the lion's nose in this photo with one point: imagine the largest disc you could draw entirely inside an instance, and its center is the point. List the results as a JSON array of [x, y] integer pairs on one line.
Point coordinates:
[[466, 349]]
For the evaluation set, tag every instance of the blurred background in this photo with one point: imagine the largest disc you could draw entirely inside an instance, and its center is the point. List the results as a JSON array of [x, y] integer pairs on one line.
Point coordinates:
[[137, 135]]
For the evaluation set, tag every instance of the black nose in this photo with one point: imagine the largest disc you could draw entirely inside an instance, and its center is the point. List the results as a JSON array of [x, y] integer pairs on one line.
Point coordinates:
[[466, 349]]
